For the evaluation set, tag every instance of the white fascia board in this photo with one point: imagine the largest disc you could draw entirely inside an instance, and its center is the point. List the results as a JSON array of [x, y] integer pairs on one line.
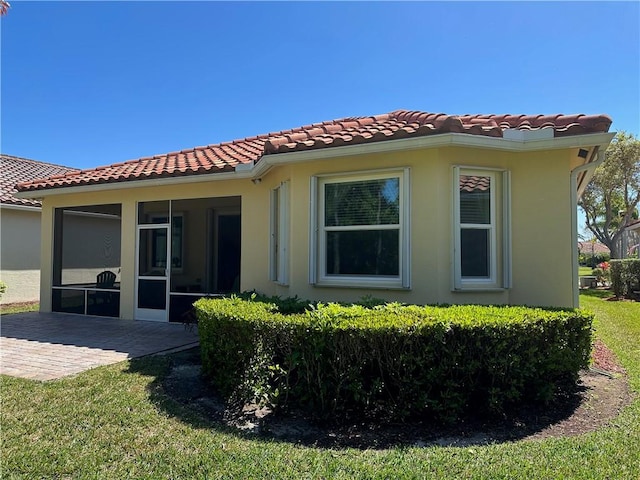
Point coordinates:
[[526, 135], [8, 206], [100, 187], [266, 162], [243, 167]]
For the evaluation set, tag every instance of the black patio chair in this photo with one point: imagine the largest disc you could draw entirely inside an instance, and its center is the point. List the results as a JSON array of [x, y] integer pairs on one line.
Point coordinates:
[[105, 279], [103, 301]]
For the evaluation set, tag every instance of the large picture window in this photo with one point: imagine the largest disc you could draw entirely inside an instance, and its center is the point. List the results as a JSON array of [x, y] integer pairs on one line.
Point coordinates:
[[363, 230], [481, 228]]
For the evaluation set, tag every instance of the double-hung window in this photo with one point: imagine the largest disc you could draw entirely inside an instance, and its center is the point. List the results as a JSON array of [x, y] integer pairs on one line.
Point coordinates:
[[361, 230], [481, 229]]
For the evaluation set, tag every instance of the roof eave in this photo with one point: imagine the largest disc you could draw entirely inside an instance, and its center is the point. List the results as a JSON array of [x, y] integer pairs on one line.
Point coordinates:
[[13, 206], [266, 162], [98, 187]]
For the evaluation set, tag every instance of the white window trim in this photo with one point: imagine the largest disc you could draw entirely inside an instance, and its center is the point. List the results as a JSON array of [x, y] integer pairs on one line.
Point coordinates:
[[317, 249], [279, 235], [170, 239], [506, 229], [494, 282]]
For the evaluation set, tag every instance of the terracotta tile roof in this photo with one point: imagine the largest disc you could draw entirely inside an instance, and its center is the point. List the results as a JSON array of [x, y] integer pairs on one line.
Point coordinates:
[[596, 247], [224, 157], [14, 170]]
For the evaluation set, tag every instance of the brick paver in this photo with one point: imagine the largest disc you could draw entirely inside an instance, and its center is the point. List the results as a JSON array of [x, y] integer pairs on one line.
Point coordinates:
[[46, 346]]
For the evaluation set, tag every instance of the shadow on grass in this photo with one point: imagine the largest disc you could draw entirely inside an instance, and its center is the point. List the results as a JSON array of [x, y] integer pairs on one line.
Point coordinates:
[[180, 390]]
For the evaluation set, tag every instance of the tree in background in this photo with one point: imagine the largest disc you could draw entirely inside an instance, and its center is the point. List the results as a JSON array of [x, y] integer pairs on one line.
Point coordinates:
[[611, 199]]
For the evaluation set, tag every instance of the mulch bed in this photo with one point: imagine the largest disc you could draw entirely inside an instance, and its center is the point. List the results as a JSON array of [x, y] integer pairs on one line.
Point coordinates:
[[601, 394]]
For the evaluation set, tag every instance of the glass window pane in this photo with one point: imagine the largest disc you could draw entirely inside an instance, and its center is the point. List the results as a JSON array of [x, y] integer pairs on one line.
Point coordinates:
[[181, 308], [367, 252], [104, 304], [475, 199], [228, 271], [152, 294], [367, 202], [152, 259], [176, 241], [86, 243], [196, 249], [68, 301], [474, 255], [153, 212]]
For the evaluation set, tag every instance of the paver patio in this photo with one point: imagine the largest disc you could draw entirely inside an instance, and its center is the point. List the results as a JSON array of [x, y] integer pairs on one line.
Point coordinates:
[[46, 346]]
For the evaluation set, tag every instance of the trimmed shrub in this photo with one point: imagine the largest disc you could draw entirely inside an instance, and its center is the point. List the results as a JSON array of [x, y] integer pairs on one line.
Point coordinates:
[[586, 259], [625, 276], [390, 361]]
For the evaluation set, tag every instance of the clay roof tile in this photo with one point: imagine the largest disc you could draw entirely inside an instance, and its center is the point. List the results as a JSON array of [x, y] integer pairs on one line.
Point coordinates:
[[398, 124]]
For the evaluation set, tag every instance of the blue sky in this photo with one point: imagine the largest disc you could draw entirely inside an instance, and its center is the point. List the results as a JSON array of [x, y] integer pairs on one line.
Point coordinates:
[[92, 83]]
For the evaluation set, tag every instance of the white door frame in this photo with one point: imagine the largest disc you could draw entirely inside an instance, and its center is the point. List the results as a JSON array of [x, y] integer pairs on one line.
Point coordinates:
[[157, 315]]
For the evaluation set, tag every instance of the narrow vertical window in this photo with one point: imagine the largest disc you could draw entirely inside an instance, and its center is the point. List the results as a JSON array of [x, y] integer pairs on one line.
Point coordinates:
[[479, 248], [477, 226], [279, 244]]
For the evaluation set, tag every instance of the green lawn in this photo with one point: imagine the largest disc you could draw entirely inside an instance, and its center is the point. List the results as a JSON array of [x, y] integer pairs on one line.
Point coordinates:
[[582, 271], [104, 424]]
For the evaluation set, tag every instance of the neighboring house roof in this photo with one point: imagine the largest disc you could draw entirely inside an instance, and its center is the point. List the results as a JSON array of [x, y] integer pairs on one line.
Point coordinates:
[[595, 247], [14, 170], [635, 225], [224, 157]]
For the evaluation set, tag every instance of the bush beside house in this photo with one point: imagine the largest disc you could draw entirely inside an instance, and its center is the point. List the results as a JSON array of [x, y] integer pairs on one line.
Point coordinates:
[[390, 361], [625, 276]]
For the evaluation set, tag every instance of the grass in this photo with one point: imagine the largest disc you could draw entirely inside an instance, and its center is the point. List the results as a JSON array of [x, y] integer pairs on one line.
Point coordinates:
[[585, 271], [112, 422], [618, 325], [6, 309]]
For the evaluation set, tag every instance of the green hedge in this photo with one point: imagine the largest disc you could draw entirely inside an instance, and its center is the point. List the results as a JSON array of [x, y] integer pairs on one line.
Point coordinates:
[[625, 276], [390, 361], [586, 259]]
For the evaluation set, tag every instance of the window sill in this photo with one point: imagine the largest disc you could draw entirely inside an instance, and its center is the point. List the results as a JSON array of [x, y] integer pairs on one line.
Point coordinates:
[[479, 289], [365, 285]]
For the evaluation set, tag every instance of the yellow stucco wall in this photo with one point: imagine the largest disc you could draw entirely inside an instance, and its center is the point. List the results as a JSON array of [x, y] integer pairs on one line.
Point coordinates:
[[541, 225]]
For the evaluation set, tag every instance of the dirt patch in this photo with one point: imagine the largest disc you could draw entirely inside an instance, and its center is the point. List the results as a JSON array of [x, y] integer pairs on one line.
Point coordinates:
[[601, 394], [604, 359]]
